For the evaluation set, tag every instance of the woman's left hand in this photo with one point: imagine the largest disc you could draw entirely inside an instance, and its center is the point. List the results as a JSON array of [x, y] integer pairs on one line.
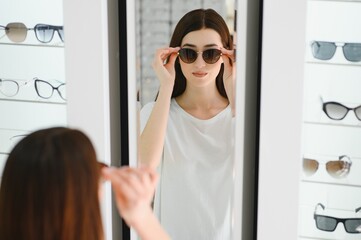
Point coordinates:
[[133, 191]]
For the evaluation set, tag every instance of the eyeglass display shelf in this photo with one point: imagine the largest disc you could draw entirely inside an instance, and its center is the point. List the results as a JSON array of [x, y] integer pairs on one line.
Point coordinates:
[[33, 99], [47, 45], [333, 63], [352, 124]]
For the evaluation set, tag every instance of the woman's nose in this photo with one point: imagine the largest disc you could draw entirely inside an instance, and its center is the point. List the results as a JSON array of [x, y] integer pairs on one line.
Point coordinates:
[[200, 61]]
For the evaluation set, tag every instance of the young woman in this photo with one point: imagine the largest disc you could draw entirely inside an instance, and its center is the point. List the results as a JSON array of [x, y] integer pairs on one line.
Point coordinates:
[[187, 133], [50, 190]]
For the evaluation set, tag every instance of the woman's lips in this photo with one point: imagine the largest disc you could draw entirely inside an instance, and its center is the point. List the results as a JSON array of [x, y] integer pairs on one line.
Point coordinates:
[[199, 74]]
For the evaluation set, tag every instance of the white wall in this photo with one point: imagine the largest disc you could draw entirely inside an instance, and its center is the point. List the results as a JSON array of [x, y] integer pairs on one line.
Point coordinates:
[[92, 70]]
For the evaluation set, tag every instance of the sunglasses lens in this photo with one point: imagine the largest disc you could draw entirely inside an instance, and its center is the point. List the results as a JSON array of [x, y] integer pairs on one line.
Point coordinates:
[[44, 33], [338, 169], [211, 56], [326, 223], [352, 51], [187, 55], [353, 225], [323, 50], [16, 32], [310, 166], [335, 111], [9, 88]]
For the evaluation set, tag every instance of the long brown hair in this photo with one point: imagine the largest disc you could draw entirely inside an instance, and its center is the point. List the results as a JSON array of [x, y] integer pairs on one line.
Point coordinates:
[[49, 188], [192, 21]]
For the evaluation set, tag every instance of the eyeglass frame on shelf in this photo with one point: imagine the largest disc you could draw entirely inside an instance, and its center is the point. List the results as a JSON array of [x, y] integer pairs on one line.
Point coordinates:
[[324, 109], [338, 220], [54, 28], [335, 45], [343, 158], [36, 80]]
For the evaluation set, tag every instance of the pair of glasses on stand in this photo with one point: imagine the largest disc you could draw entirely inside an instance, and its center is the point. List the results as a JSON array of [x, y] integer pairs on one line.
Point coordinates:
[[17, 32], [336, 168], [44, 89], [338, 111], [326, 50], [329, 223]]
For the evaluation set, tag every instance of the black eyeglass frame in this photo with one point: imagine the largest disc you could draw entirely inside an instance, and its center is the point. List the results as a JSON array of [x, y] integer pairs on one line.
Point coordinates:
[[338, 220], [200, 52], [37, 80], [324, 108]]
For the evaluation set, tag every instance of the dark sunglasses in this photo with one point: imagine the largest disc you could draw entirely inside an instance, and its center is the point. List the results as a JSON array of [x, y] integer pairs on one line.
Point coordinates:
[[336, 168], [17, 32], [326, 50], [329, 224], [210, 56], [337, 111]]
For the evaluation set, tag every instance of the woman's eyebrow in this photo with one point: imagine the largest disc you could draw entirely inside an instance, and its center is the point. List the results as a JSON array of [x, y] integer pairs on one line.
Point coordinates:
[[206, 46]]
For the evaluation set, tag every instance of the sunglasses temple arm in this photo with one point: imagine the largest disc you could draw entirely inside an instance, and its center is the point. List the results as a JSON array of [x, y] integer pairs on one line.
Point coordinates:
[[321, 99], [357, 209], [319, 204]]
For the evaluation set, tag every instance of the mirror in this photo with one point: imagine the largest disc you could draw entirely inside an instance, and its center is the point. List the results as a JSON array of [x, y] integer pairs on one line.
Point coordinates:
[[32, 76], [194, 137], [330, 180]]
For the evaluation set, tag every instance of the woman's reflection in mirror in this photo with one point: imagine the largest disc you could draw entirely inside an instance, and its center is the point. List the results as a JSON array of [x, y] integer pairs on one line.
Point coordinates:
[[188, 132]]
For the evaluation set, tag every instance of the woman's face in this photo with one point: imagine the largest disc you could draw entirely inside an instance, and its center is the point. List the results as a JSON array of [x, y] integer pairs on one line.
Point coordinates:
[[200, 73]]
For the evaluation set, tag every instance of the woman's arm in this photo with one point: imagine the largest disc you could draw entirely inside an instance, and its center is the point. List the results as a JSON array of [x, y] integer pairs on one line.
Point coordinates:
[[229, 77], [152, 137], [133, 190]]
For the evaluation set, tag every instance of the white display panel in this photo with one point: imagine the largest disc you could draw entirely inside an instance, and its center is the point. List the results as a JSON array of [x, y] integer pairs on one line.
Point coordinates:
[[332, 79], [22, 61]]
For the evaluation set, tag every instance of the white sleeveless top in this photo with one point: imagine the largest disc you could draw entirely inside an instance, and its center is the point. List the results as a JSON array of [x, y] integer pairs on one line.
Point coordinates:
[[194, 195]]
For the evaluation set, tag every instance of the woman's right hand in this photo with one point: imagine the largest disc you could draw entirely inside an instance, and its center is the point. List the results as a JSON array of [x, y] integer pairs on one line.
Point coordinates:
[[163, 65]]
